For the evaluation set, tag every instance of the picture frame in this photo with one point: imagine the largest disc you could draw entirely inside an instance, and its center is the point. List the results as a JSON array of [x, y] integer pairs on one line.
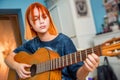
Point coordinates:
[[81, 7]]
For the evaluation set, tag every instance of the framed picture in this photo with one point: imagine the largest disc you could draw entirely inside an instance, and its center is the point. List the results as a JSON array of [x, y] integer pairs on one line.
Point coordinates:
[[81, 7]]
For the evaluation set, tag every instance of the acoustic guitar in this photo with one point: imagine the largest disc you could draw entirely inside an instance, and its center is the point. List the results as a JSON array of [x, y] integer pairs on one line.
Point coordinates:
[[47, 64]]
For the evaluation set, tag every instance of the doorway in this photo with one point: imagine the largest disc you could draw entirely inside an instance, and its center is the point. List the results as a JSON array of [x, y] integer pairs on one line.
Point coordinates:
[[10, 38]]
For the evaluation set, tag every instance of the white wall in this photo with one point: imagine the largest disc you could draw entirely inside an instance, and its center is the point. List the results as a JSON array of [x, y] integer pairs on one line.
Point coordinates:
[[84, 26]]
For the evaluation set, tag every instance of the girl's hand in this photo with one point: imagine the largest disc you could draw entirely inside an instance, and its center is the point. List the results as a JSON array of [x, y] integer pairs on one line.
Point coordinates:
[[91, 62], [21, 71]]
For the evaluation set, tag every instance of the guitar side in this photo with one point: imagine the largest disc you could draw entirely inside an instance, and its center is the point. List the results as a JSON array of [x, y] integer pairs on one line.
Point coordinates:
[[12, 75]]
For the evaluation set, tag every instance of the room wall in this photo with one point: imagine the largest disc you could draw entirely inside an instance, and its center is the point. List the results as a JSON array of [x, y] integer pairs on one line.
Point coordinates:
[[15, 4], [98, 11], [17, 7], [96, 7], [84, 26]]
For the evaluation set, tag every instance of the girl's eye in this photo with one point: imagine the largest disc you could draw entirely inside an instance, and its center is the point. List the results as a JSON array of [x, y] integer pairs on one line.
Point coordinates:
[[35, 19], [44, 16]]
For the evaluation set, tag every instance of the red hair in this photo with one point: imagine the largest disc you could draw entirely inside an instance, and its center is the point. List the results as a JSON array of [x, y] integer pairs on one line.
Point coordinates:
[[30, 33]]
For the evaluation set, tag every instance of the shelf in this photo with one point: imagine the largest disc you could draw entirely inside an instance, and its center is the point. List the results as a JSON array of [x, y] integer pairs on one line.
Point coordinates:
[[99, 39]]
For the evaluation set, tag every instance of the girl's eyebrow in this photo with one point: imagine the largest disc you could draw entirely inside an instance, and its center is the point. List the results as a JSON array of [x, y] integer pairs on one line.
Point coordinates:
[[35, 16]]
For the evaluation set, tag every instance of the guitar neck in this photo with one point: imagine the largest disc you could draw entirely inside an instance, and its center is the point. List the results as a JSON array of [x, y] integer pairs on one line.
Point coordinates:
[[74, 57], [67, 60]]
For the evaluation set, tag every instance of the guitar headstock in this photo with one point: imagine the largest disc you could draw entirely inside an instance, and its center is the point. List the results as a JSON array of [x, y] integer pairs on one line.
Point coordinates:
[[111, 47]]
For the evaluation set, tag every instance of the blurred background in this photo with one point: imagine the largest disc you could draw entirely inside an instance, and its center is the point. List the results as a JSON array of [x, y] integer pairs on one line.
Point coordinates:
[[87, 22]]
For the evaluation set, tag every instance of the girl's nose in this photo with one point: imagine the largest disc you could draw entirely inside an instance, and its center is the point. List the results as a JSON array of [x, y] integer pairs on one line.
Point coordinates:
[[41, 20]]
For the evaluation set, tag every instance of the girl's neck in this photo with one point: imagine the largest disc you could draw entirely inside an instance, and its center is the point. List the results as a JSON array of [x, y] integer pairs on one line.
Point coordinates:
[[46, 37]]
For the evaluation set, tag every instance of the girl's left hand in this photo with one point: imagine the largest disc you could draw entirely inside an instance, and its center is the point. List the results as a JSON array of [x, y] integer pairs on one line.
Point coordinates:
[[91, 62]]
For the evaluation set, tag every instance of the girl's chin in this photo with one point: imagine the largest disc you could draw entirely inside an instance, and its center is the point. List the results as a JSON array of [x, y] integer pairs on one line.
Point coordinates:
[[42, 32]]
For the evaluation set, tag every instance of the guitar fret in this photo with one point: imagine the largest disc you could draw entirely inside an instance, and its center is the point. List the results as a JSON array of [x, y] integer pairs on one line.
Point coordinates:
[[63, 61], [70, 58], [59, 59], [96, 49], [86, 52], [56, 63], [43, 66], [92, 50], [37, 66], [51, 65], [38, 69], [75, 57], [47, 66], [66, 59], [80, 56]]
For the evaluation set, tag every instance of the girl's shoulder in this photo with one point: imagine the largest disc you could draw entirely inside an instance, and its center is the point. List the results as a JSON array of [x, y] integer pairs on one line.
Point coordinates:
[[61, 35], [32, 41]]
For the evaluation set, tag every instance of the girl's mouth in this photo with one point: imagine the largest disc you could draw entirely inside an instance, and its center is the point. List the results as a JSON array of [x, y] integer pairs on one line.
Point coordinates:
[[42, 27]]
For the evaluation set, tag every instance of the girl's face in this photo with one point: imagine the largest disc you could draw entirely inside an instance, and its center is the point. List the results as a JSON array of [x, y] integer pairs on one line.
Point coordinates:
[[40, 22]]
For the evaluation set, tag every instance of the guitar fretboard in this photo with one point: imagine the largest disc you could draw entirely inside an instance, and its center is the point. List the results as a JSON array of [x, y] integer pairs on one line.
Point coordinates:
[[66, 60]]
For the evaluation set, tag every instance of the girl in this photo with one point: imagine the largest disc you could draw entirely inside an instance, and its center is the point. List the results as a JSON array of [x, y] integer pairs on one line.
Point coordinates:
[[41, 32]]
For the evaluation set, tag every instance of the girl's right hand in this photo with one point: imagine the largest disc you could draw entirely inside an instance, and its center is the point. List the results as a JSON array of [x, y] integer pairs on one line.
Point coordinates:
[[21, 70]]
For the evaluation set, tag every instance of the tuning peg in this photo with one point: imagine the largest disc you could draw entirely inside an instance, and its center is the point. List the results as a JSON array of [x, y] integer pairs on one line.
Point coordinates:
[[114, 42], [115, 51], [109, 52], [107, 44]]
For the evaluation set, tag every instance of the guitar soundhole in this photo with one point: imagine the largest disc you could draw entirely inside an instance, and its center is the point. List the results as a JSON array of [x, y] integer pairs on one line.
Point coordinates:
[[33, 70]]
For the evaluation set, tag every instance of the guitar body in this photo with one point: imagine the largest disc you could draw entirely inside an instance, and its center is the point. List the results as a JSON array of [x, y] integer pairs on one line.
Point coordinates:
[[41, 55]]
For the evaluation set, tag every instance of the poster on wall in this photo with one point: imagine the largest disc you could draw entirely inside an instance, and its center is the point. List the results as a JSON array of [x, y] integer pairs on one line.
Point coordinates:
[[81, 7]]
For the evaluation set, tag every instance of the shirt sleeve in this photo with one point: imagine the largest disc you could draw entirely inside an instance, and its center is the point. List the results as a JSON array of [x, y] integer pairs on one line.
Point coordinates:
[[27, 47]]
